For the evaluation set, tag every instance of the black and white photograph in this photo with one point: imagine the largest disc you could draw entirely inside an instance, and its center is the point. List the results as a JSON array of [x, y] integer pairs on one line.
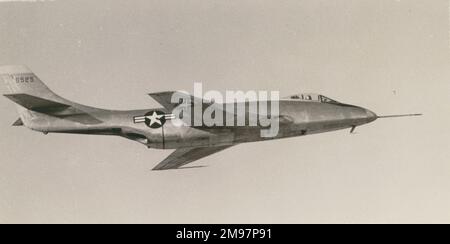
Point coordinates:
[[225, 112]]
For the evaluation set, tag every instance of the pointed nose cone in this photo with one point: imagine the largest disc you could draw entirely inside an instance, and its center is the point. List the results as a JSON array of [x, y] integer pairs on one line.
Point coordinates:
[[371, 116]]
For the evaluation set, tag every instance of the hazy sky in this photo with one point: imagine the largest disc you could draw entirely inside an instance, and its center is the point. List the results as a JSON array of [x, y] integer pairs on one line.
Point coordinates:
[[389, 56]]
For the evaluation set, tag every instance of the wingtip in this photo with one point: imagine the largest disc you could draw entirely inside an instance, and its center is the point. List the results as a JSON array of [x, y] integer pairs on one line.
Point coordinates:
[[186, 167], [159, 93]]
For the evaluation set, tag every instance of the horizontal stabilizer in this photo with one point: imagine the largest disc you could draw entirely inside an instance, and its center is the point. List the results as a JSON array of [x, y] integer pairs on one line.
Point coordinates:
[[52, 108], [36, 103], [29, 92]]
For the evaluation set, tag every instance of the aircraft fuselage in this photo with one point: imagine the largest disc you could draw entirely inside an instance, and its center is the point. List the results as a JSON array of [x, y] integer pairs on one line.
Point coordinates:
[[297, 118]]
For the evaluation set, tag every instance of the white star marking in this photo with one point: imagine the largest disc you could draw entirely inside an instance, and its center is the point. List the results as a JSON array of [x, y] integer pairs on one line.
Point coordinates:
[[154, 118]]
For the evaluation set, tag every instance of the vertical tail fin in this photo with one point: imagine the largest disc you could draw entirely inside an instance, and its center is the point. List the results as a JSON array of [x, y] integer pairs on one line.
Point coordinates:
[[36, 102], [21, 80]]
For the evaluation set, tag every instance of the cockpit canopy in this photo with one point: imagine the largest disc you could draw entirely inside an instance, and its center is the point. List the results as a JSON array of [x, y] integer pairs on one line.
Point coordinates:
[[313, 97]]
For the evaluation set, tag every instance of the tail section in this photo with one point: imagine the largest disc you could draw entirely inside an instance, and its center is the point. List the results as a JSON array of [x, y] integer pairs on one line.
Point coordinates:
[[21, 80], [36, 103]]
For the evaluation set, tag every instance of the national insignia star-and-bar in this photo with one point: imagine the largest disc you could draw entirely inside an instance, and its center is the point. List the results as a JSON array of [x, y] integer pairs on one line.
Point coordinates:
[[153, 119]]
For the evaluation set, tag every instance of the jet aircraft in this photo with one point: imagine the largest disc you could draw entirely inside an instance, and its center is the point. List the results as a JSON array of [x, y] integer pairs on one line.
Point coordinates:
[[42, 110]]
